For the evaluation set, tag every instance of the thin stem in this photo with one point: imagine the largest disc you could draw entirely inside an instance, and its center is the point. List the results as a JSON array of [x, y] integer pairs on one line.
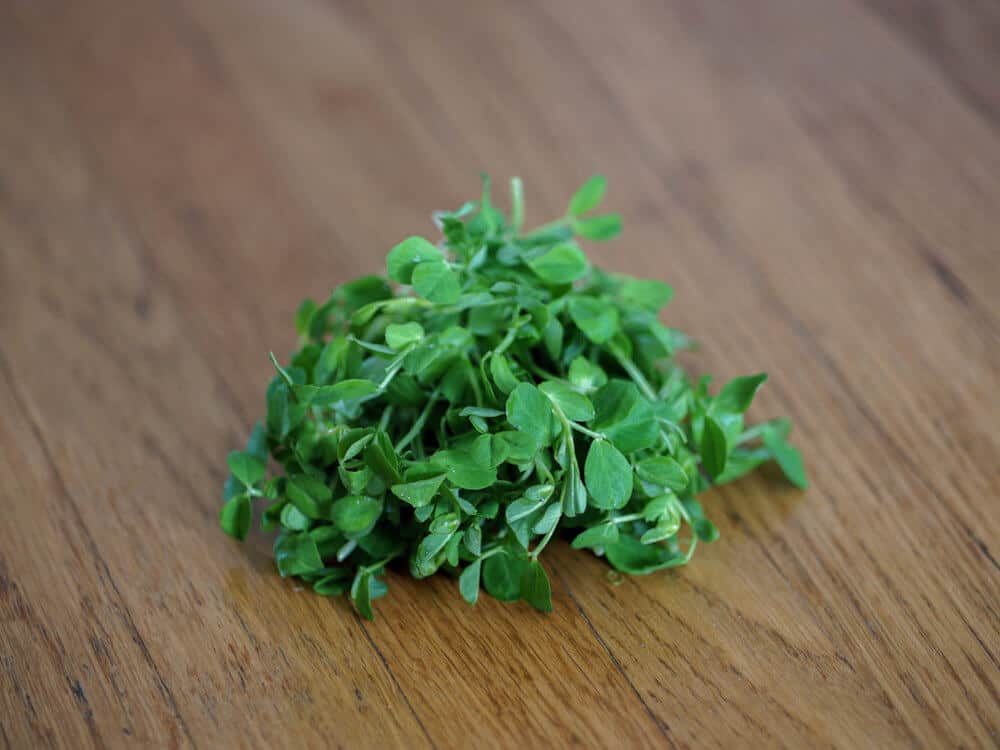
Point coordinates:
[[756, 431], [386, 416], [418, 423], [637, 377], [490, 552], [392, 371], [543, 469], [473, 382], [346, 550], [586, 431], [516, 204], [515, 327], [545, 540], [376, 565], [544, 373]]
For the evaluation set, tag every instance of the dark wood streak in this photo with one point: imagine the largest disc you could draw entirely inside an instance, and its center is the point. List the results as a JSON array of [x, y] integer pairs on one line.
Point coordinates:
[[95, 555], [924, 27], [395, 682], [657, 719]]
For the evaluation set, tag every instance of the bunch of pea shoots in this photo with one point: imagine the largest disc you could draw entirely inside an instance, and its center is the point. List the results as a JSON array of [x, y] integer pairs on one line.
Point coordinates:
[[494, 390]]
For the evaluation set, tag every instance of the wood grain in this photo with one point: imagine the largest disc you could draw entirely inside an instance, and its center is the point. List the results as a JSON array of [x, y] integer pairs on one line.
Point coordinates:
[[818, 181]]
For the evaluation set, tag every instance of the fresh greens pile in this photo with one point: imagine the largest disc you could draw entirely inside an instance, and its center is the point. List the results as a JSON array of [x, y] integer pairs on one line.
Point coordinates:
[[496, 390]]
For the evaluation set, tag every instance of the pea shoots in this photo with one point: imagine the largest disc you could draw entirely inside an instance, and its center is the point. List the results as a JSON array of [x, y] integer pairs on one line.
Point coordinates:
[[494, 390]]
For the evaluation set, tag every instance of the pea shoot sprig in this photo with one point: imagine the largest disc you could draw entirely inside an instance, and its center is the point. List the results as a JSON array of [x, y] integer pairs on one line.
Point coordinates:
[[496, 390]]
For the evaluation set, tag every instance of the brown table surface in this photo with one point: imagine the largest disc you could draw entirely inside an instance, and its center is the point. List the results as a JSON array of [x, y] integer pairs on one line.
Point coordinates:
[[819, 181]]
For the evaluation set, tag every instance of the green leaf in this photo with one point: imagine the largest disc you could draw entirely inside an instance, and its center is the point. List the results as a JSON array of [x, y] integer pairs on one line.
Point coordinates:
[[407, 255], [355, 515], [332, 585], [340, 393], [662, 471], [521, 446], [431, 545], [294, 519], [548, 520], [399, 335], [502, 576], [362, 595], [257, 443], [788, 458], [599, 228], [522, 508], [235, 517], [713, 447], [668, 526], [552, 335], [596, 536], [585, 375], [535, 587], [625, 417], [381, 457], [736, 395], [303, 316], [705, 530], [574, 494], [629, 555], [502, 374], [598, 319], [363, 291], [608, 476], [574, 406], [435, 282], [296, 554], [563, 264], [473, 539], [529, 411], [464, 471], [647, 293], [418, 493], [588, 196], [489, 451], [310, 495], [283, 413], [245, 467], [468, 582]]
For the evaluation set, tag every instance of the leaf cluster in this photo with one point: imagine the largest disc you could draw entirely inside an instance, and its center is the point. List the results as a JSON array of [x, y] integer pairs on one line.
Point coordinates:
[[496, 389]]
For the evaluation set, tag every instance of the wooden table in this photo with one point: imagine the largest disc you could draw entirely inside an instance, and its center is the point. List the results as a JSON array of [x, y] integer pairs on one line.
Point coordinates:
[[819, 181]]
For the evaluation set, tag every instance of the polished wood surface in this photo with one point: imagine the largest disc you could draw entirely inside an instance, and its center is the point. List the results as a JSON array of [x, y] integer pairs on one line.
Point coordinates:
[[819, 181]]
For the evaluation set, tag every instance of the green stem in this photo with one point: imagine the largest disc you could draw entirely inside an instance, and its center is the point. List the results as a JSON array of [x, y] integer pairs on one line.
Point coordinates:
[[586, 431], [543, 469], [545, 540], [473, 382], [491, 551], [756, 431], [377, 565], [386, 416], [637, 377], [515, 327], [516, 204], [418, 423]]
